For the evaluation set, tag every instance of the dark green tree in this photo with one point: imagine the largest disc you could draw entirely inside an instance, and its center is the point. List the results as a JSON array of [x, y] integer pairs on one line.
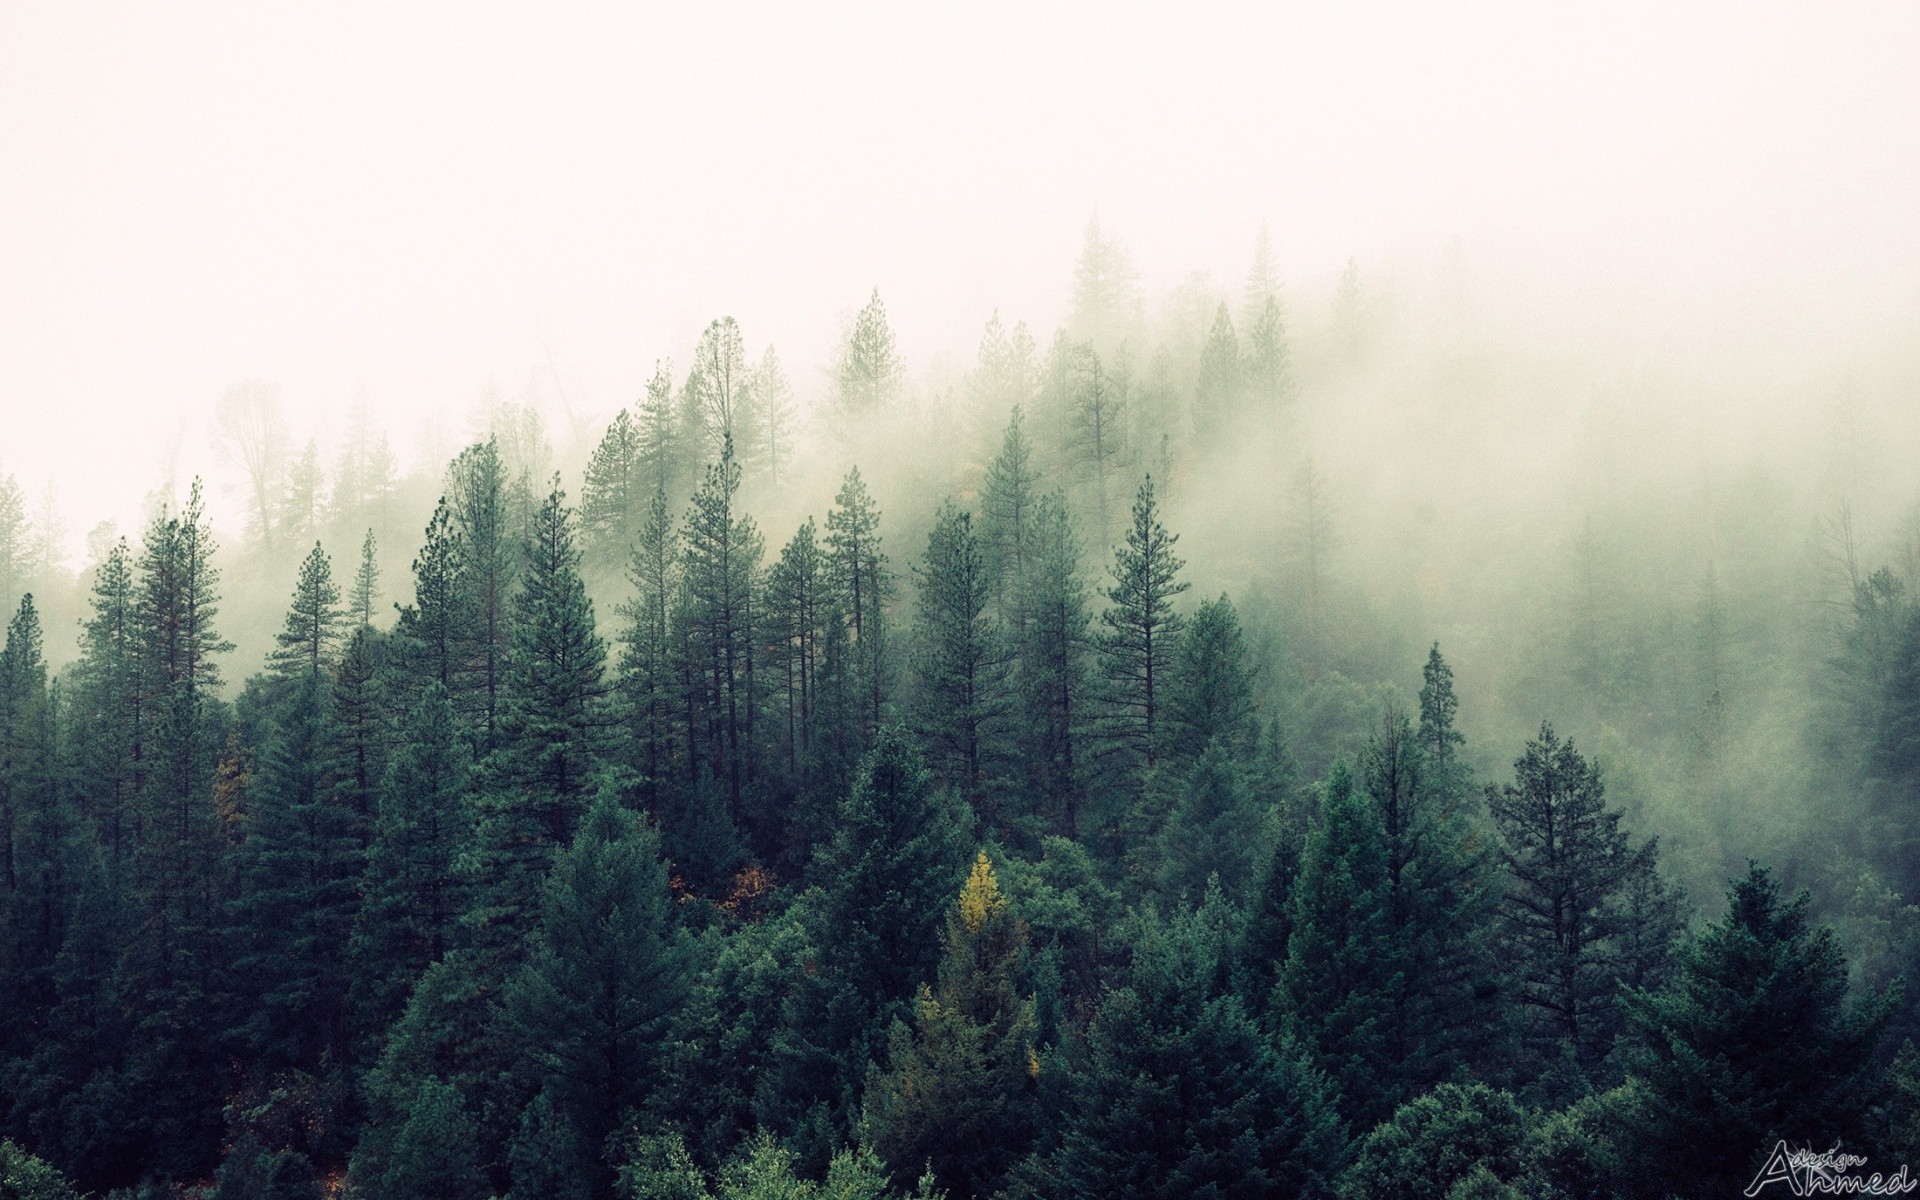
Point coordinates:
[[487, 563], [610, 497], [1009, 502], [1438, 1139], [1211, 686], [961, 662], [862, 587], [1142, 631], [306, 645], [1051, 668], [592, 1007], [648, 689], [1755, 1042], [433, 629]]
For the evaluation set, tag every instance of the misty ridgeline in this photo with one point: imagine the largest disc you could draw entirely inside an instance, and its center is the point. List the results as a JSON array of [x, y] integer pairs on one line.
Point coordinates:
[[1270, 742]]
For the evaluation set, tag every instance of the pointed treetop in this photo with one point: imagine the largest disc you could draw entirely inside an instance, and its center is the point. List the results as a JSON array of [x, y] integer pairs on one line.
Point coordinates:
[[981, 898]]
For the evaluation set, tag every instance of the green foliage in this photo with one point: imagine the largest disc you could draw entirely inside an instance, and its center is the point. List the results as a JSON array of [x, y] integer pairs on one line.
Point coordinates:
[[307, 644], [1212, 693], [1142, 630], [1754, 1042], [1438, 1141], [24, 1177], [961, 663]]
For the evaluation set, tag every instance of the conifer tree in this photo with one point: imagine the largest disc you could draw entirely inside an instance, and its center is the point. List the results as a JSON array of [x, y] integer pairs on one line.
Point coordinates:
[[1009, 500], [357, 719], [609, 967], [869, 374], [1094, 437], [433, 630], [366, 582], [1569, 867], [1052, 668], [1267, 369], [659, 454], [1213, 831], [958, 1097], [1210, 693], [1106, 299], [488, 563], [1179, 1094], [1142, 631], [773, 411], [863, 587], [300, 869], [961, 665], [796, 606], [111, 714], [557, 714], [1217, 398], [721, 394], [14, 543], [1341, 987], [721, 558], [609, 501], [1754, 1043], [306, 645], [648, 689], [412, 892]]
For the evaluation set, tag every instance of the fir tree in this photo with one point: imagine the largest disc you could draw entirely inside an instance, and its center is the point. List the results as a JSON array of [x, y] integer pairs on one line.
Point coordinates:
[[862, 586], [305, 647], [487, 565], [366, 581], [1754, 1043], [1211, 687], [1051, 670], [869, 374], [1142, 631], [433, 630], [958, 1097], [1341, 988], [608, 499], [1569, 866], [961, 664], [721, 558], [607, 970], [1217, 398], [1009, 501], [648, 689]]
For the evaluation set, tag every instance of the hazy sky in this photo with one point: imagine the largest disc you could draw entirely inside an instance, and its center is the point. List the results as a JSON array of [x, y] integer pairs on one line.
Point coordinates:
[[408, 201]]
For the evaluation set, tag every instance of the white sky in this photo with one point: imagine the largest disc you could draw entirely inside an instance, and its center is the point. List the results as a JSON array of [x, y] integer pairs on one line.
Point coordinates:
[[415, 199]]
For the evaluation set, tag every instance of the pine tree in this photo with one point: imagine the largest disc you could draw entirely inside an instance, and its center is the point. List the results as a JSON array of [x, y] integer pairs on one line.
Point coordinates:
[[1754, 1043], [863, 587], [720, 392], [1340, 991], [721, 558], [1106, 299], [1142, 631], [300, 866], [300, 506], [488, 564], [1094, 438], [1009, 498], [557, 716], [868, 377], [433, 1153], [961, 663], [1051, 670], [1217, 397], [111, 716], [773, 410], [1179, 1094], [608, 968], [609, 501], [1267, 369], [1213, 831], [305, 646], [433, 630], [958, 1096], [796, 611], [1211, 686], [660, 455], [1569, 867], [357, 718], [366, 581], [412, 893], [648, 688]]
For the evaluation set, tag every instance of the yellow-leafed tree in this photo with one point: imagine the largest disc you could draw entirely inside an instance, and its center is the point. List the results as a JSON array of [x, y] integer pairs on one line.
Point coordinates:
[[959, 1092]]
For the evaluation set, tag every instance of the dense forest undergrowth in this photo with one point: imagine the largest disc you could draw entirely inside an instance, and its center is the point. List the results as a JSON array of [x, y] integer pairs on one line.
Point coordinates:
[[1082, 806]]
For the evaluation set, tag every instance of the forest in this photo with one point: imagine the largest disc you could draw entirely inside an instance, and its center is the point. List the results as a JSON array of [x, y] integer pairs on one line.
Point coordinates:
[[1242, 744]]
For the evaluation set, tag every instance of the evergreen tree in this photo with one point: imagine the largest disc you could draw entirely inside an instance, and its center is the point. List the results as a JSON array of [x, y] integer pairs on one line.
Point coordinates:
[[721, 558], [412, 893], [660, 455], [433, 1153], [366, 581], [1755, 1042], [958, 1097], [1341, 988], [1569, 866], [300, 866], [357, 719], [796, 604], [609, 500], [773, 409], [433, 629], [1439, 1139], [1094, 438], [1211, 687], [300, 505], [868, 377], [648, 689], [961, 664], [720, 393], [608, 968], [1267, 369], [111, 713], [1009, 501], [862, 586], [488, 563], [1106, 297], [305, 646], [14, 543], [1142, 631], [1180, 1095], [1051, 669], [1217, 398], [1213, 832]]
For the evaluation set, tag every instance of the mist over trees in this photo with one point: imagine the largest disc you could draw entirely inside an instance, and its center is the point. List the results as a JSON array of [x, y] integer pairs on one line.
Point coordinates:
[[1240, 743]]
